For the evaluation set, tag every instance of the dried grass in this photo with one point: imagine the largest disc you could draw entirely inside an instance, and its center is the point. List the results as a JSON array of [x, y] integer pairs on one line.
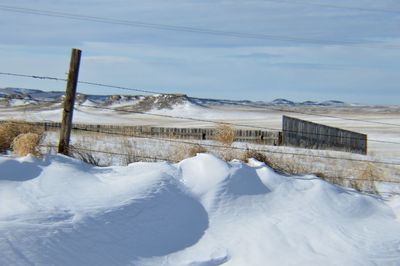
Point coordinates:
[[227, 154], [12, 129], [128, 148], [369, 175], [84, 155], [225, 134], [26, 143], [253, 154], [185, 151]]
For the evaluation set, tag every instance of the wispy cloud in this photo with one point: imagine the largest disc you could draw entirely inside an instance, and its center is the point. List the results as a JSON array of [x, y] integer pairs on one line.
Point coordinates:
[[257, 56], [212, 65], [107, 59]]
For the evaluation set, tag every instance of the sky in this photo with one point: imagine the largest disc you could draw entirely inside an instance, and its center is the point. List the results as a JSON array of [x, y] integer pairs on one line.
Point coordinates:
[[302, 49]]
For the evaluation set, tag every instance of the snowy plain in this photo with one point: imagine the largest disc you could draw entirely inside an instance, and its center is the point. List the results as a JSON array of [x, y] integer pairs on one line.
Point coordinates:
[[200, 211]]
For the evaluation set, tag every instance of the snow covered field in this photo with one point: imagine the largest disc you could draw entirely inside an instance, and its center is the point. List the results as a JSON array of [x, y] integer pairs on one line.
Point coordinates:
[[201, 211]]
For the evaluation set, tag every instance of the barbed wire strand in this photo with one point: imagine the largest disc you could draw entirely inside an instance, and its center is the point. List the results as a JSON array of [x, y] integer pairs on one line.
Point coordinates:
[[236, 124], [169, 160], [212, 121], [304, 133], [196, 143], [163, 93]]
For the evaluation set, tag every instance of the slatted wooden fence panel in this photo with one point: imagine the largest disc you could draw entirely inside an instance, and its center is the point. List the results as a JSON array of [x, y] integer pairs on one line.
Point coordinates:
[[305, 134]]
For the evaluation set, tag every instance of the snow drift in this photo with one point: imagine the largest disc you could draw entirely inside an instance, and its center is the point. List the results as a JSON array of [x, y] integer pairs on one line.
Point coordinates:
[[201, 211]]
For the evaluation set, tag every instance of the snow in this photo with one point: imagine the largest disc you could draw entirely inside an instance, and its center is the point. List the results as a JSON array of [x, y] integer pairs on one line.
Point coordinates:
[[19, 102], [200, 211], [88, 102]]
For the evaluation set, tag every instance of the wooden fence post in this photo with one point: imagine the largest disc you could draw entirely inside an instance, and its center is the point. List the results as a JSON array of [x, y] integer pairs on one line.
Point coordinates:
[[66, 124]]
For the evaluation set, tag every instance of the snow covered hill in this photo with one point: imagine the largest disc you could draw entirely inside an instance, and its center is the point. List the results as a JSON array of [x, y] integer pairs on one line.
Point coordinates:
[[142, 103], [201, 211]]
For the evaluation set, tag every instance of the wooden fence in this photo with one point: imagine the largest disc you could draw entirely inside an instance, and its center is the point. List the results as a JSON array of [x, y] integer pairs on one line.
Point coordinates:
[[296, 132], [305, 134], [241, 135]]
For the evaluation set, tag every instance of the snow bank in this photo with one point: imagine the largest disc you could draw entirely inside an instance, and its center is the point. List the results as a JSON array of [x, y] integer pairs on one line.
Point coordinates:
[[201, 211]]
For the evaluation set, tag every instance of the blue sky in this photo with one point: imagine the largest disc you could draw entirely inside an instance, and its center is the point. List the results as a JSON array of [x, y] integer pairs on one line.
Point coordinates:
[[366, 69]]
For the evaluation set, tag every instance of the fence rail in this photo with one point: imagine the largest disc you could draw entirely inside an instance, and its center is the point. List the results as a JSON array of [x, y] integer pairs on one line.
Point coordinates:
[[241, 135]]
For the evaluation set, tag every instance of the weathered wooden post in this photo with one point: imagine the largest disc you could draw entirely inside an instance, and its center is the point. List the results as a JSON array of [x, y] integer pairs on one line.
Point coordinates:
[[66, 124]]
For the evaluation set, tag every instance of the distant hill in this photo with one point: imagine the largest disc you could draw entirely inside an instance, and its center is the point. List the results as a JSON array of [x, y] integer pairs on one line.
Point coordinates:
[[17, 96]]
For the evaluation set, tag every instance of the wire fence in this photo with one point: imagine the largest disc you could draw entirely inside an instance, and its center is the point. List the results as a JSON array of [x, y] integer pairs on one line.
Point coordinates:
[[258, 149], [265, 149], [87, 154], [168, 159], [329, 175], [219, 146]]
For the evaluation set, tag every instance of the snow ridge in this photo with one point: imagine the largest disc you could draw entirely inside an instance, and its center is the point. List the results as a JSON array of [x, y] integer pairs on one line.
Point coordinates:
[[201, 211]]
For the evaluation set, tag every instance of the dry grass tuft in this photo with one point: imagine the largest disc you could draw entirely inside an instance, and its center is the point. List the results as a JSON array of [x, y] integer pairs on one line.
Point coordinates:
[[227, 154], [195, 149], [279, 164], [10, 130], [26, 143], [186, 151], [368, 176], [129, 150], [253, 154], [225, 134], [84, 155]]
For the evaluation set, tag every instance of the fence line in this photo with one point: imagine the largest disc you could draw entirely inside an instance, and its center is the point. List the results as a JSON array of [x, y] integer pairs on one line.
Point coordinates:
[[233, 124], [74, 148], [241, 135], [95, 130], [244, 149], [81, 82]]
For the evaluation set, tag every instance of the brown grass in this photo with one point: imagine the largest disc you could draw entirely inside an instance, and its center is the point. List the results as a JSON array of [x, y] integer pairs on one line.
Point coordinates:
[[26, 143], [128, 148], [253, 154], [85, 155], [225, 134], [186, 151], [10, 130], [369, 175]]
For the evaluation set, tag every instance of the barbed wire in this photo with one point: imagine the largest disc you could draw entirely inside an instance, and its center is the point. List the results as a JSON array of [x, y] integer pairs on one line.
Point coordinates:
[[74, 148], [236, 124], [83, 82], [217, 146], [303, 133], [157, 158], [212, 121], [330, 116], [163, 93], [218, 123]]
